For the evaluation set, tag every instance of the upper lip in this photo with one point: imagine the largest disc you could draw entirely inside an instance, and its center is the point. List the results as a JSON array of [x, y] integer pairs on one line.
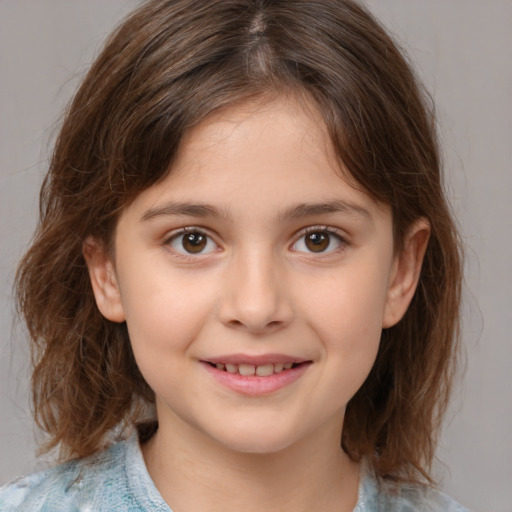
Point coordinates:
[[256, 360]]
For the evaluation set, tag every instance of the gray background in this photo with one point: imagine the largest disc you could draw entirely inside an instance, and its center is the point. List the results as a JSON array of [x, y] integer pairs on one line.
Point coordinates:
[[462, 49]]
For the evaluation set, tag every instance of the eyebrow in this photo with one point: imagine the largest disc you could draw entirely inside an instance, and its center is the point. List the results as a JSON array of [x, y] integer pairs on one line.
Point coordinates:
[[188, 209], [296, 211], [337, 206]]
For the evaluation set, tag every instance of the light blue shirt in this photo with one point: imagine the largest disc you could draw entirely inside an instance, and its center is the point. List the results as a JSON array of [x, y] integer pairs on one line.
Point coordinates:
[[116, 480]]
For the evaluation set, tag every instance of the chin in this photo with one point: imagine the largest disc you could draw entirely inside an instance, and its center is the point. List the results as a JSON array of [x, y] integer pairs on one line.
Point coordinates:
[[261, 441], [258, 447]]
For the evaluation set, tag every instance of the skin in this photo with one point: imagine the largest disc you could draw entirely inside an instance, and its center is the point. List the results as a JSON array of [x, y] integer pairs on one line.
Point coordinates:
[[255, 288]]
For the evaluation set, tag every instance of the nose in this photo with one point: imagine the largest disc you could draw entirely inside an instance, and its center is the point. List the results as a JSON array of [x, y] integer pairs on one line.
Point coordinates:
[[255, 295]]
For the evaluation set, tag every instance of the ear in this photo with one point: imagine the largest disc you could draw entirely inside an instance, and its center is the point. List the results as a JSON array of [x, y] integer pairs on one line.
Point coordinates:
[[406, 272], [103, 280]]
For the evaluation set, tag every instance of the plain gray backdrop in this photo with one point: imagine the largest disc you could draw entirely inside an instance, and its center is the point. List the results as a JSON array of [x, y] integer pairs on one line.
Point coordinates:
[[463, 51]]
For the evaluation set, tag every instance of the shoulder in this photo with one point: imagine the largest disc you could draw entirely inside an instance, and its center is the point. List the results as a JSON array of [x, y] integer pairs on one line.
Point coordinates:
[[376, 495], [418, 498], [75, 485]]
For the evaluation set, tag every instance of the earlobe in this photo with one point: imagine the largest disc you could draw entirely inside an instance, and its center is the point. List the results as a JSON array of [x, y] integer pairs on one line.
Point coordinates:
[[103, 280], [406, 272]]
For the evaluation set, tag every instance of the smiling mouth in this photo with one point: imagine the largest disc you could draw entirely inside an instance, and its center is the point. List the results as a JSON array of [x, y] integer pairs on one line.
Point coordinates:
[[263, 370]]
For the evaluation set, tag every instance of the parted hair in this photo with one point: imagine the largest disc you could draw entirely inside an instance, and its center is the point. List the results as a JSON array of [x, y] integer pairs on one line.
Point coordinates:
[[167, 67]]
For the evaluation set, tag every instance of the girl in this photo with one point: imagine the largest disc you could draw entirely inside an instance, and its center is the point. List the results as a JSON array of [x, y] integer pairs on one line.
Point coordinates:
[[244, 288]]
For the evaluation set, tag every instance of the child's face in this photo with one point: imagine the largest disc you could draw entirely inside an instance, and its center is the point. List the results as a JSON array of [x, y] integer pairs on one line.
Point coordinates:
[[282, 262]]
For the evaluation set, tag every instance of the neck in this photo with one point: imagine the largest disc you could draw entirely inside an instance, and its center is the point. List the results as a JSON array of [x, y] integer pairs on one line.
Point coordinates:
[[192, 472]]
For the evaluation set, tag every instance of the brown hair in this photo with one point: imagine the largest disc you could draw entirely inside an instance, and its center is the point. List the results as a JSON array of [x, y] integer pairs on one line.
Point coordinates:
[[165, 69]]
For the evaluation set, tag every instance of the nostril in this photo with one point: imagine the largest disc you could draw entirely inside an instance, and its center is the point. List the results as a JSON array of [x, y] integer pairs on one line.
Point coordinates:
[[264, 327]]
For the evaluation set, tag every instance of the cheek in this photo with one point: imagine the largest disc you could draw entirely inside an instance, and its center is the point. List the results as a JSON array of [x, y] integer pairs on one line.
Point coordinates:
[[164, 314], [162, 326], [346, 313], [348, 301]]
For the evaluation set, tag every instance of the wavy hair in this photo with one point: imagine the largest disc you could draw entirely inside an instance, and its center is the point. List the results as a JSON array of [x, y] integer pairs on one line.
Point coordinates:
[[166, 68]]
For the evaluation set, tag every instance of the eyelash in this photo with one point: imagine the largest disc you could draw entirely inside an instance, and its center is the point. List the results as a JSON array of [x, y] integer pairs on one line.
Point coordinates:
[[323, 230], [191, 230]]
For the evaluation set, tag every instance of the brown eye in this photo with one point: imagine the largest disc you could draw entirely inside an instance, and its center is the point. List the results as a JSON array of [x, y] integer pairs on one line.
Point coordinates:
[[317, 242], [321, 241], [192, 242]]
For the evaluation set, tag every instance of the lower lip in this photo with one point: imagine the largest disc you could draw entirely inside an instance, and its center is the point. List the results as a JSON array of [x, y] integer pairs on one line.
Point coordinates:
[[254, 385]]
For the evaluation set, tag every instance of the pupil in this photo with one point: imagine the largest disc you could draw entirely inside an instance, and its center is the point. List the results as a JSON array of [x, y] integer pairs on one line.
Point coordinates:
[[194, 242], [317, 242]]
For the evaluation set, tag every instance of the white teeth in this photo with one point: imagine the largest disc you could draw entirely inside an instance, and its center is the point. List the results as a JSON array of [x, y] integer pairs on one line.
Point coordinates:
[[232, 368], [264, 370], [246, 369]]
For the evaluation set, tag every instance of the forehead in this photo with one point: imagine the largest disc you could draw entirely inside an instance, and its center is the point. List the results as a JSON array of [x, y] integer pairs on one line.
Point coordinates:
[[280, 125], [267, 154]]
